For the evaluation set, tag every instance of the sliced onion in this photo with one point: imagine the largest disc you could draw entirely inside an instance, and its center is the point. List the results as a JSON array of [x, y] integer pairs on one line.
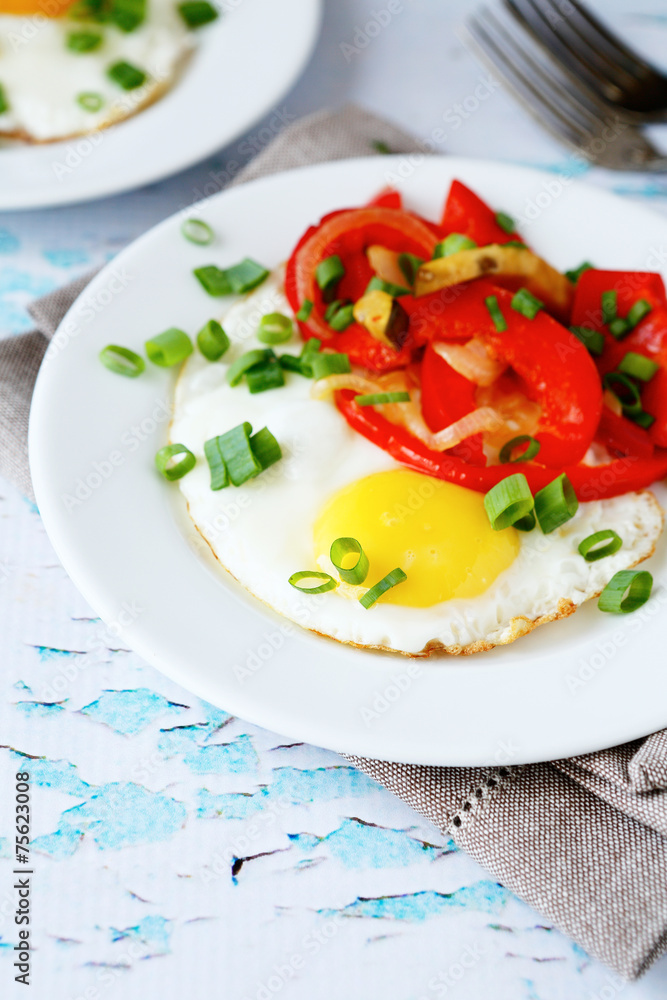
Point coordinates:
[[483, 419], [472, 360], [385, 264], [332, 383]]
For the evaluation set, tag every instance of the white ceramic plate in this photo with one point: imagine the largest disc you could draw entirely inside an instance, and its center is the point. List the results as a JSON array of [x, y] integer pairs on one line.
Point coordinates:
[[243, 64], [574, 686]]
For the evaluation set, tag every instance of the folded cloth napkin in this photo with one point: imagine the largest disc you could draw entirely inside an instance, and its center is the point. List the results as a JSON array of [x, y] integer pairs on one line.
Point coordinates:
[[582, 840]]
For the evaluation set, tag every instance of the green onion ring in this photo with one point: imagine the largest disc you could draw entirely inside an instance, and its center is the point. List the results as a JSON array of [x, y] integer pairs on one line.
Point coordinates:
[[635, 584], [330, 364], [592, 551], [531, 451], [396, 576], [169, 348], [197, 231], [508, 501], [638, 366], [122, 360], [632, 407], [179, 469], [329, 272], [526, 303], [555, 504], [305, 310], [274, 328], [608, 303], [238, 368], [312, 575], [352, 574], [499, 321], [379, 398], [212, 340]]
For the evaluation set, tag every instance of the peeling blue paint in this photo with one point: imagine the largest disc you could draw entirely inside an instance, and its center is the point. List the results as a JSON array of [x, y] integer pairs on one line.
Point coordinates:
[[362, 845], [154, 932], [179, 739], [58, 774], [47, 653], [215, 717], [130, 711], [488, 897], [123, 813], [21, 686], [39, 709], [236, 757], [61, 844], [323, 783], [231, 805]]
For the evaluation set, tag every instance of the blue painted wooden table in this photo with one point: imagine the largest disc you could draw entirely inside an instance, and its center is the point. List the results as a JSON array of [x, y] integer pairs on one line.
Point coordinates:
[[178, 849]]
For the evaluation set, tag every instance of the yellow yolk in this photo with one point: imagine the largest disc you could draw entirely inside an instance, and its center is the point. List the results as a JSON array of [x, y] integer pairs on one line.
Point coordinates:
[[49, 8], [438, 533]]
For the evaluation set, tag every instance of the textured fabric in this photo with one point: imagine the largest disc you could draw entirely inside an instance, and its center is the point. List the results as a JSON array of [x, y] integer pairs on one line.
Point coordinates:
[[582, 840]]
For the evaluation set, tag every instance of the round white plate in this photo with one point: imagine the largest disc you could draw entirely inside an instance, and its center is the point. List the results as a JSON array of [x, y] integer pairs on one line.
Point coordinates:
[[122, 533], [243, 64]]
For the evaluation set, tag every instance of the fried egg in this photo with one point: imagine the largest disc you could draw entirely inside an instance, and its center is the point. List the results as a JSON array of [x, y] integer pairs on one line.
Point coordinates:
[[468, 588], [49, 92]]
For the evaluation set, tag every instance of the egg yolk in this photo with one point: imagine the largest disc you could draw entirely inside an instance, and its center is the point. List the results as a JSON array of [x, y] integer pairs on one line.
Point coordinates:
[[437, 532], [49, 8]]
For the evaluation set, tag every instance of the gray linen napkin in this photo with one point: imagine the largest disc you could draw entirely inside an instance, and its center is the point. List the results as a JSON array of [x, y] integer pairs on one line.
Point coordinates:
[[582, 840]]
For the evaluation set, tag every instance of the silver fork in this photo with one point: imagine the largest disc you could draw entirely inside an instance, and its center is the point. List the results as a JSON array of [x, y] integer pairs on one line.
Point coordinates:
[[563, 106]]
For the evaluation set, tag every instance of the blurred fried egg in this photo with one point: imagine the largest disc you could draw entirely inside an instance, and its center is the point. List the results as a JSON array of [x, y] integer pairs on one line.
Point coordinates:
[[468, 587], [55, 83]]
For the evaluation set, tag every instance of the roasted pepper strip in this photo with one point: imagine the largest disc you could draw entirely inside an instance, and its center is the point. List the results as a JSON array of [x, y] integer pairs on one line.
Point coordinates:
[[466, 213]]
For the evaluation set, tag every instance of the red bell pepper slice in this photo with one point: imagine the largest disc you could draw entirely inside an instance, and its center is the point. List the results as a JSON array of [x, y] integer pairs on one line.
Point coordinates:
[[590, 482], [466, 213], [348, 233], [446, 396], [387, 198], [556, 369], [648, 338], [618, 434]]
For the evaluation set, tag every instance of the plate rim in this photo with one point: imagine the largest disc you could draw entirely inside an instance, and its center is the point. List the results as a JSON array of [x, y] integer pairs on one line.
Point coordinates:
[[97, 187], [261, 715]]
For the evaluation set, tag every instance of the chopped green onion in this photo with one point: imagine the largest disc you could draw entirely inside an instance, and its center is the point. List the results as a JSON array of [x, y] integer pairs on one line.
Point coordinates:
[[505, 221], [379, 398], [175, 470], [274, 328], [626, 591], [169, 348], [593, 340], [577, 272], [453, 244], [508, 501], [638, 312], [4, 103], [212, 340], [379, 285], [591, 549], [265, 448], [245, 276], [333, 308], [524, 302], [213, 280], [329, 272], [526, 523], [126, 14], [238, 368], [267, 375], [196, 13], [517, 244], [237, 454], [303, 363], [555, 504], [83, 41], [341, 548], [305, 311], [292, 363], [609, 303], [638, 366], [630, 406], [306, 574], [122, 360], [90, 101], [380, 147], [197, 231], [644, 419], [342, 317], [531, 451], [126, 75], [382, 586], [330, 364], [216, 463], [409, 264], [499, 321], [619, 327]]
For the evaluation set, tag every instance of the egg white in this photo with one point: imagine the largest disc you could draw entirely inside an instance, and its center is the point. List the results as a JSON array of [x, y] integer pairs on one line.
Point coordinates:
[[262, 532], [41, 77]]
